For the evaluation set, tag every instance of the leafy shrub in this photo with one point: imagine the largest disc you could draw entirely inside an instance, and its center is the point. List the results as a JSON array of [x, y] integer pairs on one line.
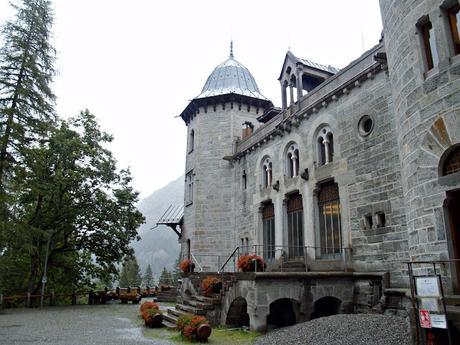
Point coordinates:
[[246, 263], [208, 285], [186, 265], [189, 326]]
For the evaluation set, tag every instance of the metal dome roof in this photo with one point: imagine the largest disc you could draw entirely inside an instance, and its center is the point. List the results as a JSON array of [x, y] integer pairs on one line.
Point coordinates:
[[230, 77]]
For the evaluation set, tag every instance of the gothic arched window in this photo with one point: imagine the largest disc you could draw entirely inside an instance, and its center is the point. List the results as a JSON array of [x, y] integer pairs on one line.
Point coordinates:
[[267, 172], [292, 161], [325, 143]]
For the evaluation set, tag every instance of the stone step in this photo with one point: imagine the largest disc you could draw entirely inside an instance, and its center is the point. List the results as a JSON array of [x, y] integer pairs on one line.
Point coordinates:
[[169, 324], [199, 304], [293, 264], [170, 318], [205, 299], [176, 312], [190, 309]]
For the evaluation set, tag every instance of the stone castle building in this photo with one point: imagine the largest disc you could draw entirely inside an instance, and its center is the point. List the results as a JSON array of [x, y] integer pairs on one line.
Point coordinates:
[[357, 172]]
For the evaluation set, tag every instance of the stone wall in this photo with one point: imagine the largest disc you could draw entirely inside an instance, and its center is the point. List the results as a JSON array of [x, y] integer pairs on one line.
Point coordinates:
[[209, 219], [367, 170], [426, 105]]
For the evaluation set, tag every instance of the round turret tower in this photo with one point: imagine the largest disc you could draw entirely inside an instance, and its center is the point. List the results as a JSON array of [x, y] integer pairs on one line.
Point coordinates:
[[230, 99], [422, 46]]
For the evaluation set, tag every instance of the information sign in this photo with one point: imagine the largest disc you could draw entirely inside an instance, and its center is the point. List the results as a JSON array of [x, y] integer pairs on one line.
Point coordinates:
[[438, 321], [428, 286]]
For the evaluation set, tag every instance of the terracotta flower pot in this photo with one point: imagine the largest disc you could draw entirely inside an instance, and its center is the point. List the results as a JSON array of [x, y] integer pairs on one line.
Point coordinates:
[[154, 320], [203, 332]]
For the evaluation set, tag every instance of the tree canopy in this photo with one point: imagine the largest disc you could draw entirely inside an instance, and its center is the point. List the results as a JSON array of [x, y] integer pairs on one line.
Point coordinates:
[[62, 199]]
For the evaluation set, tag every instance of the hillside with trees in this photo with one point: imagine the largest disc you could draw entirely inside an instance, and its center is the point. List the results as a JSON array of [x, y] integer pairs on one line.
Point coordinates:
[[159, 247]]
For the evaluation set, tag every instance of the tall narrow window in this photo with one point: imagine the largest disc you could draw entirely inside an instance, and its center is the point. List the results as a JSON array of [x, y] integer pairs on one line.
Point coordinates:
[[189, 180], [330, 147], [191, 143], [295, 227], [268, 224], [292, 161], [244, 181], [325, 142], [330, 232], [454, 23], [429, 45], [267, 173]]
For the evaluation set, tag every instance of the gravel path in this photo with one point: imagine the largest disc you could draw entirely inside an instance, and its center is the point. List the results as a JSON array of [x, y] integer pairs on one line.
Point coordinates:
[[110, 324], [342, 330]]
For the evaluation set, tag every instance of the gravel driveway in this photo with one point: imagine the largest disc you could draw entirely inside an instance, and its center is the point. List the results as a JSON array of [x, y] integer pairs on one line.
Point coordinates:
[[111, 324]]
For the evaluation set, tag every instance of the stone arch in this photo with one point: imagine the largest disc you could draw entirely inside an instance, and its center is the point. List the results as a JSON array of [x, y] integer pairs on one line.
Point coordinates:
[[237, 315], [439, 139], [448, 163], [326, 306], [283, 312]]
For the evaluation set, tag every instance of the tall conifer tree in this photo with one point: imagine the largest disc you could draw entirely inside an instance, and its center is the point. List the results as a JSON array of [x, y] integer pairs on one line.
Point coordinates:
[[26, 71]]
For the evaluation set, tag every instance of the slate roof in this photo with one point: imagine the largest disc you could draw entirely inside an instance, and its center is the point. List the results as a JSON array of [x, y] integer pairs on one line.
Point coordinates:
[[231, 77]]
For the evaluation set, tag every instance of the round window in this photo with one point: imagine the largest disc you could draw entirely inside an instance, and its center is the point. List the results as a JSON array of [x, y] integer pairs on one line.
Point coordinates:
[[365, 126]]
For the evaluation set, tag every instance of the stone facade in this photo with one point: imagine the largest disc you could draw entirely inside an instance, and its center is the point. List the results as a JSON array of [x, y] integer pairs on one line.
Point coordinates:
[[379, 131]]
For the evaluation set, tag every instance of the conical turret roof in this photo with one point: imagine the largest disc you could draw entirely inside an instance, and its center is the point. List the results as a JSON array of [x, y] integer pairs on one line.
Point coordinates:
[[231, 77]]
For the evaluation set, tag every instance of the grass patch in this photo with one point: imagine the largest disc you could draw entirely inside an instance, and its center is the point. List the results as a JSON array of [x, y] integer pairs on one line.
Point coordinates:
[[219, 336]]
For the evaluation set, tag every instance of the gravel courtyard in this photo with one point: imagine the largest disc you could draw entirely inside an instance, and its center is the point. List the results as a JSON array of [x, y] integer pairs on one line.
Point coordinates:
[[111, 324], [342, 330]]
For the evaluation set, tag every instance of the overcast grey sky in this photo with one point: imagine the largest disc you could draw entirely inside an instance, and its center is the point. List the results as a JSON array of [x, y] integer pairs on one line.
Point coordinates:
[[135, 64]]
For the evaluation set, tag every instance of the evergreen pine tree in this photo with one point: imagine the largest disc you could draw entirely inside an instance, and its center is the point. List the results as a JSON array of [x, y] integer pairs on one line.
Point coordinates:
[[123, 283], [134, 272], [26, 72], [130, 273], [148, 277]]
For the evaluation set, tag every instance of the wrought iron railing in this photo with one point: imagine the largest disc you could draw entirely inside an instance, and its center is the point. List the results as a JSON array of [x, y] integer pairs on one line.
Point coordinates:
[[277, 256]]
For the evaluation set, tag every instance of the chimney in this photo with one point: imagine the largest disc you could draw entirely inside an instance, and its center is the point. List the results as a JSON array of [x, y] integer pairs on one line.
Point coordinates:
[[248, 128]]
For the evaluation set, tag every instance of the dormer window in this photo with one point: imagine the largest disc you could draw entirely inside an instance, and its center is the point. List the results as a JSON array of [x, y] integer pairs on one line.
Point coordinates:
[[292, 161]]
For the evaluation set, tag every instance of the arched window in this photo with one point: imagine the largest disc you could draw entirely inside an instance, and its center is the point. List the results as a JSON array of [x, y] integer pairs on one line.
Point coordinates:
[[325, 143], [292, 161], [191, 141], [452, 162], [267, 172]]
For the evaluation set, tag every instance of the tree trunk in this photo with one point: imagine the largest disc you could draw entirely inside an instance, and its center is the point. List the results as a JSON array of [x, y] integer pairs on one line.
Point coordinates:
[[33, 273]]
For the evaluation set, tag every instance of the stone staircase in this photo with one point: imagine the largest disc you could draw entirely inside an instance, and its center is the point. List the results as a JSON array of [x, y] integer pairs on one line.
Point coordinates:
[[199, 305], [196, 305]]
